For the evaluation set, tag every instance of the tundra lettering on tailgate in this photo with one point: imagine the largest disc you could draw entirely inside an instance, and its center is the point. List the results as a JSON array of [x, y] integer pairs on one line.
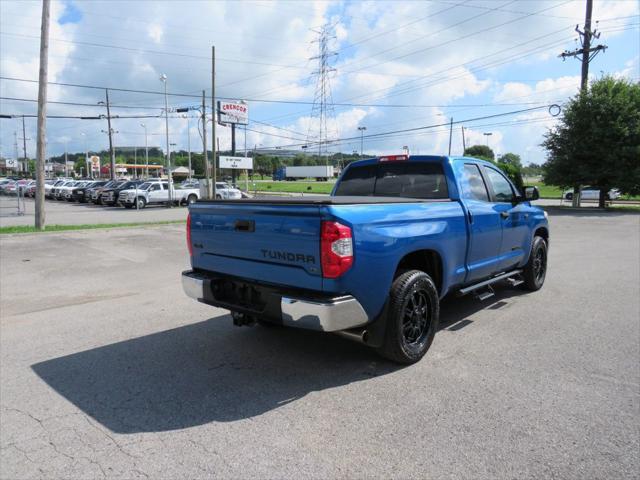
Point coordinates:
[[289, 256]]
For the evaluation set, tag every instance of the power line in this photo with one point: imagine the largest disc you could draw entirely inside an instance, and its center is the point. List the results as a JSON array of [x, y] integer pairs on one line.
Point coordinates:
[[414, 129], [257, 100]]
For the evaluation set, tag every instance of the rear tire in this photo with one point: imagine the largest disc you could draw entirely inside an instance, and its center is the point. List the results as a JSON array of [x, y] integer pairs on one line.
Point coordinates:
[[535, 271], [412, 318], [191, 199]]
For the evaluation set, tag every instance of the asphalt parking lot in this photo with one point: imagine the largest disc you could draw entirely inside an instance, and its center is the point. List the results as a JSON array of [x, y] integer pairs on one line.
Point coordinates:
[[66, 213], [108, 370]]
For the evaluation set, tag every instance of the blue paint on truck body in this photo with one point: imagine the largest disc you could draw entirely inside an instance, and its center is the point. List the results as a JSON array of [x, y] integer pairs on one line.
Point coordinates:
[[473, 238]]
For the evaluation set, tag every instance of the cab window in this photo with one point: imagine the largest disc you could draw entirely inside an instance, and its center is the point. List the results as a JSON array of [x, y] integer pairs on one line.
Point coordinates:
[[502, 190]]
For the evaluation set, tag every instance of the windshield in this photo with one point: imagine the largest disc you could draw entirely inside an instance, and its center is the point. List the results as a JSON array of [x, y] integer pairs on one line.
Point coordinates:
[[395, 179], [145, 186]]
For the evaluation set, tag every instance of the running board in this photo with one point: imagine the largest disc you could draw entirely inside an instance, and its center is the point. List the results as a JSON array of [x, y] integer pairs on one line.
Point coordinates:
[[490, 281]]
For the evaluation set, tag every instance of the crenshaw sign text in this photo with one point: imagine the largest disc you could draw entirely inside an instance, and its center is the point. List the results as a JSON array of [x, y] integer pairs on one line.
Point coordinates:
[[233, 112]]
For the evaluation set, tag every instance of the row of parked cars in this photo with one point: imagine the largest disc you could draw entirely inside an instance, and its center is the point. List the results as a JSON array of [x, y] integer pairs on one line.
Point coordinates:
[[127, 193], [13, 186]]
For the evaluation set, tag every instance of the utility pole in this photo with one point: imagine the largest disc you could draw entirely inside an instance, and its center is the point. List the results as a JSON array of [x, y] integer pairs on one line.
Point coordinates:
[[163, 79], [42, 115], [586, 53], [362, 129], [207, 175], [464, 143], [450, 134], [189, 141], [15, 147], [146, 150], [212, 187], [25, 165], [66, 168], [233, 153], [112, 152]]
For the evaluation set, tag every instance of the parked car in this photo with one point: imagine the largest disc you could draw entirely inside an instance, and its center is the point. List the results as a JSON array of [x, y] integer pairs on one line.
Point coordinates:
[[69, 193], [224, 191], [157, 192], [50, 185], [6, 184], [110, 195], [59, 192], [593, 193], [96, 194], [372, 260], [83, 194]]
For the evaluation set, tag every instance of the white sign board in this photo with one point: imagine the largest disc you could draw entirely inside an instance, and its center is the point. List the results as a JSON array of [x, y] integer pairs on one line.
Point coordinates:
[[95, 163], [241, 163], [11, 163], [233, 112]]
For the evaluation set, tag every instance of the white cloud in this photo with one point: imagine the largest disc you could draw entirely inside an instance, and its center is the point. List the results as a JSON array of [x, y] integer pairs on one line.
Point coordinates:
[[389, 53], [155, 31]]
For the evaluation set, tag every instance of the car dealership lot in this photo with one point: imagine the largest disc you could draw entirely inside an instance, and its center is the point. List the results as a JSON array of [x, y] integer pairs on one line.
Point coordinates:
[[108, 369]]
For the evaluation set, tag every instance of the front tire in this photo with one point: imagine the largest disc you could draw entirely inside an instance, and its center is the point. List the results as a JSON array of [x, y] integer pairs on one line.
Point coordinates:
[[412, 318], [535, 271], [141, 203]]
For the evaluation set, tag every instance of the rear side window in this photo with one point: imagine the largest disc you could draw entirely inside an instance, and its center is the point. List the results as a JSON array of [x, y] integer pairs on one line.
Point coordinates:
[[473, 186], [395, 179]]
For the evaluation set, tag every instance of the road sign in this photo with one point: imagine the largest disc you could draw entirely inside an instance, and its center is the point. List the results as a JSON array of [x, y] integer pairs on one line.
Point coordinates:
[[233, 112], [238, 163]]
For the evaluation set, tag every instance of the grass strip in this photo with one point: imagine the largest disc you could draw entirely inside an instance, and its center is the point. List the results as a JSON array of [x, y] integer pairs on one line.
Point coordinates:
[[93, 226]]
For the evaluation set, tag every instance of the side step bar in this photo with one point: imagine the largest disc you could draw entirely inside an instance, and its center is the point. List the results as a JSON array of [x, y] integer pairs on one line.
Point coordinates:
[[490, 281]]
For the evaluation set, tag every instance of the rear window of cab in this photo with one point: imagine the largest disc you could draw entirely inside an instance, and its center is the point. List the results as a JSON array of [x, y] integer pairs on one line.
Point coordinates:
[[395, 179]]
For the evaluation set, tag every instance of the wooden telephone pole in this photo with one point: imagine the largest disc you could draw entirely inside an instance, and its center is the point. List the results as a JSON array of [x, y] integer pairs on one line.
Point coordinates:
[[42, 115]]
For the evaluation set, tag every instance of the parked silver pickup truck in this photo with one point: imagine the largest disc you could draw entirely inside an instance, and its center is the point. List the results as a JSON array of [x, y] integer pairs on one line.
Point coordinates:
[[157, 192]]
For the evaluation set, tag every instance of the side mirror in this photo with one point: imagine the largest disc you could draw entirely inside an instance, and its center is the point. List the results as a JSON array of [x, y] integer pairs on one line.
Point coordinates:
[[531, 193]]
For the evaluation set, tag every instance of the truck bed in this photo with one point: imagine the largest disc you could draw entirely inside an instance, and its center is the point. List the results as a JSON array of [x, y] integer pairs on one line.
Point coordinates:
[[323, 200]]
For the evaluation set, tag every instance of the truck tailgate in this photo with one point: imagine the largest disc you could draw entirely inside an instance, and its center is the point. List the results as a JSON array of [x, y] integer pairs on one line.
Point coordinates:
[[273, 243]]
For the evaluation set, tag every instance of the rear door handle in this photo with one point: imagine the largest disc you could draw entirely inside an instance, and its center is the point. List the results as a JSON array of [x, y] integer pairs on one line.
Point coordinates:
[[504, 214]]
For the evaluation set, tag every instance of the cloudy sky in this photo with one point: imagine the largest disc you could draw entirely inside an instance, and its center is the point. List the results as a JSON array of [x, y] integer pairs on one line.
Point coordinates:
[[399, 65]]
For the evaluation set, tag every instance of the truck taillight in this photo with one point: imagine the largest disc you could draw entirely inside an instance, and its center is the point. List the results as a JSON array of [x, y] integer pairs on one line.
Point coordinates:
[[336, 249], [189, 246], [393, 158]]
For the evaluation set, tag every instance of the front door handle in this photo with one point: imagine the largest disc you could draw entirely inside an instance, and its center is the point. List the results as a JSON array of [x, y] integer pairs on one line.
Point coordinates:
[[504, 214]]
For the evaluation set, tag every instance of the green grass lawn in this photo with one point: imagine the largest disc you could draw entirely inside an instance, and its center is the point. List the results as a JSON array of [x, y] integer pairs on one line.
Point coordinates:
[[61, 228], [546, 191], [292, 187]]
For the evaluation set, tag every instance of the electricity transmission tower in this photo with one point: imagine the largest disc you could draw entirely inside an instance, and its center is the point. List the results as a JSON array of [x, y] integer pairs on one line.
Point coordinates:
[[322, 111]]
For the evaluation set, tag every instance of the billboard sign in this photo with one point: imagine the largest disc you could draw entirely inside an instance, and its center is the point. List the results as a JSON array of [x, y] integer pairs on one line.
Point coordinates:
[[236, 163], [95, 163], [11, 163], [233, 112]]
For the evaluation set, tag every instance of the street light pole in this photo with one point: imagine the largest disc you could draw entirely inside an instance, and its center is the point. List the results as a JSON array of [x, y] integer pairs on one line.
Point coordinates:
[[146, 150], [188, 141], [86, 154], [487, 135], [163, 79], [362, 129]]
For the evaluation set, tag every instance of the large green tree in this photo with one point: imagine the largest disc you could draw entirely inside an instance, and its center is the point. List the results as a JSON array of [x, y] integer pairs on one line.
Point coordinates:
[[509, 163], [597, 141], [480, 151]]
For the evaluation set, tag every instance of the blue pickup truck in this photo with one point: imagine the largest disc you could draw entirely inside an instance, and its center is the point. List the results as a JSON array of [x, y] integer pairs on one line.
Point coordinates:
[[373, 260]]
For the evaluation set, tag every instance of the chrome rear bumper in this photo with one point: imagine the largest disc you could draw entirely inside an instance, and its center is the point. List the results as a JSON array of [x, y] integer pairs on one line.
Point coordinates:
[[330, 314]]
